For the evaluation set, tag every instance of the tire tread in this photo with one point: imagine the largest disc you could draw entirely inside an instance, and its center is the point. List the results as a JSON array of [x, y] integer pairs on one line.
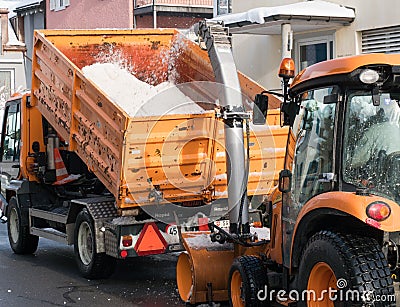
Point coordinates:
[[367, 267], [102, 266], [254, 277]]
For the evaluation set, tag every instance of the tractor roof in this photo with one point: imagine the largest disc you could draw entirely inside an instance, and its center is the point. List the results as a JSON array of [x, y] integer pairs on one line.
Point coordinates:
[[343, 65]]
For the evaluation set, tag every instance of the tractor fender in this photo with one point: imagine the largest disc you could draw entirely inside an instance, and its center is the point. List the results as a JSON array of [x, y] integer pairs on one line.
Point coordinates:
[[344, 211]]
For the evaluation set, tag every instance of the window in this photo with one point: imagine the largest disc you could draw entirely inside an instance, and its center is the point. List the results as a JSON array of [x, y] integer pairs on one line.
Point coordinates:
[[311, 51], [222, 7], [56, 5], [11, 141], [314, 147], [386, 40], [6, 84], [371, 155]]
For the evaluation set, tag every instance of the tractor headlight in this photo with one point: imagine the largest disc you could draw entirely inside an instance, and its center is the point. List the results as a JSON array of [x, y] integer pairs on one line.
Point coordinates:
[[369, 76]]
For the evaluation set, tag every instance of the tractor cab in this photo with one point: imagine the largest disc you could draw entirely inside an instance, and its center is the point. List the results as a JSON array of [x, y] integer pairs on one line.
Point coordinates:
[[347, 128], [344, 172]]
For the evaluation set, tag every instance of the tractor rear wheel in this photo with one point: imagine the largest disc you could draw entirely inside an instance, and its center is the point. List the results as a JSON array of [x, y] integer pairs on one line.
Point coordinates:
[[247, 283], [344, 270]]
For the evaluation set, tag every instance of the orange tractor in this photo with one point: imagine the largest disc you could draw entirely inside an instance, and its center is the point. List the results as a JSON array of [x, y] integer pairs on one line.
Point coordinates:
[[334, 217]]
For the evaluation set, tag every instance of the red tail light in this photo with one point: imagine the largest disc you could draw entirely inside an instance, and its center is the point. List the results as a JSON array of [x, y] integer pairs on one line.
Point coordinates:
[[126, 241], [379, 211], [124, 254]]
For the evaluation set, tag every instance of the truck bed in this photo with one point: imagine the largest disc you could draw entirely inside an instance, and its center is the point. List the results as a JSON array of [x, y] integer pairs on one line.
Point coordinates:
[[181, 156]]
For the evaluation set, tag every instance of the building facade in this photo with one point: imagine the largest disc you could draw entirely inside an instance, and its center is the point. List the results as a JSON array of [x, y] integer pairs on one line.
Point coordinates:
[[375, 28], [171, 13], [12, 59], [29, 16], [89, 14]]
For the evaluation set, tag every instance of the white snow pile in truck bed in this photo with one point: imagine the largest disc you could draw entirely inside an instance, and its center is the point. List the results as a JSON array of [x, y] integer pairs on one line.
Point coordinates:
[[137, 98]]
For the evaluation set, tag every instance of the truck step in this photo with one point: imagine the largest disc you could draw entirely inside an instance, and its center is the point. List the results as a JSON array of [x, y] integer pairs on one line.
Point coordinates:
[[47, 215], [50, 234]]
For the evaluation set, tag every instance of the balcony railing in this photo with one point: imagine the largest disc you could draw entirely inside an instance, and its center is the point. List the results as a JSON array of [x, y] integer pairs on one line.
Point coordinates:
[[205, 3]]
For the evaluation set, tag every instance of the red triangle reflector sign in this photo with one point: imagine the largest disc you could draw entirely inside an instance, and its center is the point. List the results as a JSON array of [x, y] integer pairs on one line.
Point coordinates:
[[151, 241]]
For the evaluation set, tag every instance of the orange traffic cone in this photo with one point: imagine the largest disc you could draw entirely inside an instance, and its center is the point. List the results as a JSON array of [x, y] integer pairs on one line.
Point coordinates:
[[61, 171]]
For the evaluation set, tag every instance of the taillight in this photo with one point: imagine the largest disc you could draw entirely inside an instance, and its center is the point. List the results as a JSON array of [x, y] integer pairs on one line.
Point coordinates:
[[379, 211], [127, 241], [257, 224]]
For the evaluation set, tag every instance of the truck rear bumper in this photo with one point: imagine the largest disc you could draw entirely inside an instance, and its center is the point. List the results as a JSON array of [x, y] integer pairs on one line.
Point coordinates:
[[149, 237]]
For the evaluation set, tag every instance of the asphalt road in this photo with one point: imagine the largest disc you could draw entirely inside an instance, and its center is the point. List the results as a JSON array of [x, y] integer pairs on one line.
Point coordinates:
[[51, 278]]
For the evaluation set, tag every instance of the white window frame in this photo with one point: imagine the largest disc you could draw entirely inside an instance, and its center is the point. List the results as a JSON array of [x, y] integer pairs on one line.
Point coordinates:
[[312, 41], [12, 82], [221, 7], [58, 5]]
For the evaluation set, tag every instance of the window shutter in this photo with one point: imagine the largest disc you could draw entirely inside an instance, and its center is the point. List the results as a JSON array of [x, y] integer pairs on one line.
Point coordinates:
[[66, 2], [386, 40], [52, 4]]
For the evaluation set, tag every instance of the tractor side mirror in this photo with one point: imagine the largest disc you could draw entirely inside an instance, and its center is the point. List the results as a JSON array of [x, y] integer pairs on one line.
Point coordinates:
[[285, 181], [260, 109]]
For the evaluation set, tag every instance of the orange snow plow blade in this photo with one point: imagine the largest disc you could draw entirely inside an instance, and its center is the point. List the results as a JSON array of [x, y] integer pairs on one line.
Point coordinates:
[[202, 273]]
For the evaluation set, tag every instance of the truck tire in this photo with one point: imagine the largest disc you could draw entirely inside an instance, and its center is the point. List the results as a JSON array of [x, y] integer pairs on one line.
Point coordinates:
[[246, 278], [21, 241], [91, 264], [354, 267]]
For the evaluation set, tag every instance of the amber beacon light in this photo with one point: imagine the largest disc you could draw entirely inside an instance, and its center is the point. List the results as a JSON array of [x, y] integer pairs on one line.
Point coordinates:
[[286, 69]]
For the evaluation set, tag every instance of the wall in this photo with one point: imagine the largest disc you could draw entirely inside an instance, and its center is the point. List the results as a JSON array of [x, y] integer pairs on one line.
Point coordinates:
[[31, 22], [14, 60], [91, 14], [261, 60], [146, 21]]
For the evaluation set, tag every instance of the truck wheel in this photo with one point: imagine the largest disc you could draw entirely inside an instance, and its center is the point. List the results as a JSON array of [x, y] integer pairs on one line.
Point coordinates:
[[344, 270], [91, 264], [247, 278], [21, 241]]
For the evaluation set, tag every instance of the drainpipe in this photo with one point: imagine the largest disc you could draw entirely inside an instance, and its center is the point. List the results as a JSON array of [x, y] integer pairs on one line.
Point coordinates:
[[154, 15], [4, 27], [287, 40]]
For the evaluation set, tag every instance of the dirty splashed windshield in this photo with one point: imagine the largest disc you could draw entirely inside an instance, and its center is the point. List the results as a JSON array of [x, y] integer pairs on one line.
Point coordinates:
[[372, 143]]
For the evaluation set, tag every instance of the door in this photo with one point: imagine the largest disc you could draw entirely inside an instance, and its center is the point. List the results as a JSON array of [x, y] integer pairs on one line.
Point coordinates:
[[312, 166], [10, 144]]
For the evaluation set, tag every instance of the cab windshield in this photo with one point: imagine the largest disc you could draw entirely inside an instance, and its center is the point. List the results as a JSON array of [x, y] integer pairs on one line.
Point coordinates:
[[372, 143]]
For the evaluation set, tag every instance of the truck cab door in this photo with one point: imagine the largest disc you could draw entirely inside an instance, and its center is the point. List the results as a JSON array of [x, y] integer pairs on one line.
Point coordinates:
[[312, 160], [10, 144]]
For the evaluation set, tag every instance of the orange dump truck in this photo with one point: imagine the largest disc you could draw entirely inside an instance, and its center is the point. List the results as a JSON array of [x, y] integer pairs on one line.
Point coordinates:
[[77, 168]]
